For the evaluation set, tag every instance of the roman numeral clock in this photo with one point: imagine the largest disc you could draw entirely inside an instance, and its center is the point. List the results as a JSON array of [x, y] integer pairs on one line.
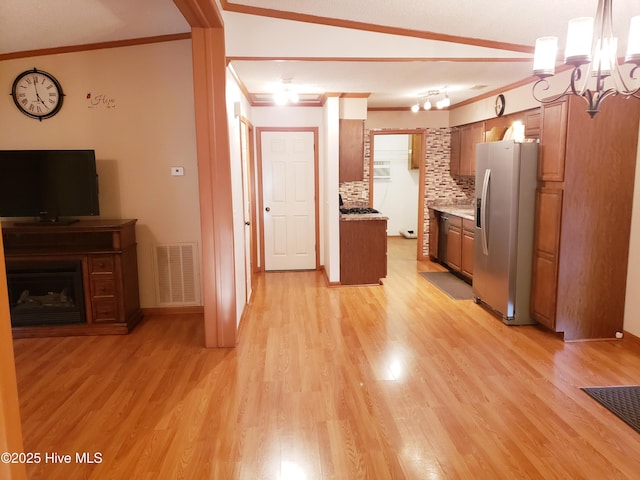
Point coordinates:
[[37, 94]]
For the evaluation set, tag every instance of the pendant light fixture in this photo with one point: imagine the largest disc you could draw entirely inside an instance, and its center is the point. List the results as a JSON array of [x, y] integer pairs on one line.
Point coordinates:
[[591, 50]]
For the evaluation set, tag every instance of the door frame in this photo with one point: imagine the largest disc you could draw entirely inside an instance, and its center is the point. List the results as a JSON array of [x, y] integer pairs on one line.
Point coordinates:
[[421, 175], [249, 163], [316, 185]]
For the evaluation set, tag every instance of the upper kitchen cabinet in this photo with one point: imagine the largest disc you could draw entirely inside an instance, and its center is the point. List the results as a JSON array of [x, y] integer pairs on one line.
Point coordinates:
[[470, 135], [351, 150], [554, 142], [532, 120], [583, 217], [415, 151]]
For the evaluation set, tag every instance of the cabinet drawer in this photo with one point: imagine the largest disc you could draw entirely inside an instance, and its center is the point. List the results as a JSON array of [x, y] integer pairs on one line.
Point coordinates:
[[103, 286], [455, 221], [101, 264], [105, 310], [469, 226]]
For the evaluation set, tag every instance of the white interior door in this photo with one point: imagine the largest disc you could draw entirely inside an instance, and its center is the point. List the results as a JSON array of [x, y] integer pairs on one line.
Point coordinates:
[[246, 200], [288, 178]]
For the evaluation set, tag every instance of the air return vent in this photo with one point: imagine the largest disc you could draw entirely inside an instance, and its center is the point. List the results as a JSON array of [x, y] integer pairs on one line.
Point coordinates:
[[176, 274]]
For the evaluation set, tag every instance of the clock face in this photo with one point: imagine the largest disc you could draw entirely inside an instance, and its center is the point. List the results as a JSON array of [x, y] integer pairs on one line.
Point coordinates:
[[37, 94], [500, 104]]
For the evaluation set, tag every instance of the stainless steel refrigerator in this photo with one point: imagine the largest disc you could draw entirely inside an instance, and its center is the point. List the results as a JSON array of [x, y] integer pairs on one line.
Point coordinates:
[[503, 242]]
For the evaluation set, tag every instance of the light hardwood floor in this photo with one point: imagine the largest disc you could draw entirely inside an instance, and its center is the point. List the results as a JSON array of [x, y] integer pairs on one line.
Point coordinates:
[[386, 382]]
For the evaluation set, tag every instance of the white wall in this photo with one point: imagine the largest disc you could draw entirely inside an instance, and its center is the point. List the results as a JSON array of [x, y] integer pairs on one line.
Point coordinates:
[[407, 119], [330, 186], [396, 197]]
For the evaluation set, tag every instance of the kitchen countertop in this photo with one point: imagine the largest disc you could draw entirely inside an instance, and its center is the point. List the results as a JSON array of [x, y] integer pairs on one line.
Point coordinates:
[[462, 211], [350, 217]]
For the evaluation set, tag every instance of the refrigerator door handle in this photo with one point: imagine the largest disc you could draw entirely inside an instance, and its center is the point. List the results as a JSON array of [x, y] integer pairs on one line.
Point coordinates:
[[483, 211]]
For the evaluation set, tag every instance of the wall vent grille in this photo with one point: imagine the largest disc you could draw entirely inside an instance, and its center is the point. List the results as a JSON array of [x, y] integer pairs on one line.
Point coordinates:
[[176, 274]]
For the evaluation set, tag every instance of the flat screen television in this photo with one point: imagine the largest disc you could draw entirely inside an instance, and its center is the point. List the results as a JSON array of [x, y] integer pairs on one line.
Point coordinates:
[[52, 186]]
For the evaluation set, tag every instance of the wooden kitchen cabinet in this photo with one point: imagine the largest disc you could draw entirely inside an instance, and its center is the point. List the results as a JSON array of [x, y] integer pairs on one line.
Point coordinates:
[[546, 250], [532, 119], [415, 151], [583, 216], [454, 243], [457, 250], [552, 159], [466, 251], [363, 251], [351, 150], [470, 135]]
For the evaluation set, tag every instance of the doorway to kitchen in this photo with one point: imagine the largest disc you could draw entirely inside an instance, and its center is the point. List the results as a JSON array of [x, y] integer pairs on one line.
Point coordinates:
[[396, 181]]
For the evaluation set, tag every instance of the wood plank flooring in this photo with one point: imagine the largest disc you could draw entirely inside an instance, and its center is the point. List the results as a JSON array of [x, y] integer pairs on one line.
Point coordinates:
[[387, 382]]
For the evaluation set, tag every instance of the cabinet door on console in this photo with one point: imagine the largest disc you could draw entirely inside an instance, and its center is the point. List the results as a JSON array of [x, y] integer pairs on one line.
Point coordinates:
[[104, 303]]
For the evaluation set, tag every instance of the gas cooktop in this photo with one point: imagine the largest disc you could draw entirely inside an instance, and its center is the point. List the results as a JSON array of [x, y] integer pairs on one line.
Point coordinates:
[[358, 210]]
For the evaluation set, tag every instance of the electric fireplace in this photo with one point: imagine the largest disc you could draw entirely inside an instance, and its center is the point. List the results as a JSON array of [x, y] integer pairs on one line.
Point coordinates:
[[45, 293]]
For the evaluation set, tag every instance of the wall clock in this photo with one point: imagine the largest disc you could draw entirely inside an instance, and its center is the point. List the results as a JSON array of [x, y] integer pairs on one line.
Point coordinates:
[[37, 94], [500, 104]]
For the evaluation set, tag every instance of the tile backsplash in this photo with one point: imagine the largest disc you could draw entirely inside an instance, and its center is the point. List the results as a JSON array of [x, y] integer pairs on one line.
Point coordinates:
[[441, 188]]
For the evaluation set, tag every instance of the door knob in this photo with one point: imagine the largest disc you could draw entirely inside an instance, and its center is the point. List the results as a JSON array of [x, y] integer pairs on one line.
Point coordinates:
[[268, 209], [247, 223]]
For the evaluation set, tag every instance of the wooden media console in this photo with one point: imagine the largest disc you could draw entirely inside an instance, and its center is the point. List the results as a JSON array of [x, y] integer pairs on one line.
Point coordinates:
[[77, 279]]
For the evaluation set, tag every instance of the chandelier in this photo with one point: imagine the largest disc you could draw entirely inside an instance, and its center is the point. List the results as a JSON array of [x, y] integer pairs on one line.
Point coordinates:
[[591, 50]]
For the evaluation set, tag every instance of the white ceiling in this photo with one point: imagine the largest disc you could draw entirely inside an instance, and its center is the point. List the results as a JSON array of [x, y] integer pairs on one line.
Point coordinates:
[[338, 46]]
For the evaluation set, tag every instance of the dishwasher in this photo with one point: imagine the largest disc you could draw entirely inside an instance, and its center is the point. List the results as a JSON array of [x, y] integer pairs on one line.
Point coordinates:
[[443, 231]]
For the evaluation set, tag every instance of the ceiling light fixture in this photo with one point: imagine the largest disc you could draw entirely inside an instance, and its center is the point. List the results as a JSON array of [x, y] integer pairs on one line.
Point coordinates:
[[443, 102], [284, 94], [592, 45]]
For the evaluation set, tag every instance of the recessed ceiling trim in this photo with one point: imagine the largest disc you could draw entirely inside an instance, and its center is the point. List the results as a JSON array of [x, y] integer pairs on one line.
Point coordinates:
[[95, 46], [381, 59], [370, 27]]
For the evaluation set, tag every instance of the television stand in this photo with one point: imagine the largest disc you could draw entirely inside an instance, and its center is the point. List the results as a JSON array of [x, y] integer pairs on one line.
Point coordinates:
[[46, 222], [72, 279]]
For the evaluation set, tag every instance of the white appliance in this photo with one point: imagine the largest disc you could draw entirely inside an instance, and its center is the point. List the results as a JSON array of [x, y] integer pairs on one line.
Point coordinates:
[[503, 243]]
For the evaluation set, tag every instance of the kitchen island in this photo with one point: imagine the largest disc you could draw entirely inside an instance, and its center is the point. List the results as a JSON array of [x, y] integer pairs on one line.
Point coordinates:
[[363, 248]]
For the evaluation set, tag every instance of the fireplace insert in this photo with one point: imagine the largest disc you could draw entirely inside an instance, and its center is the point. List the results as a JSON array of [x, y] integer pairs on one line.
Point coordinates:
[[45, 293]]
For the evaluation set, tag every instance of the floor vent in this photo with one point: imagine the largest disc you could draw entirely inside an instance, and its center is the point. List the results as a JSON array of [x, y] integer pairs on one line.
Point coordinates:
[[176, 274]]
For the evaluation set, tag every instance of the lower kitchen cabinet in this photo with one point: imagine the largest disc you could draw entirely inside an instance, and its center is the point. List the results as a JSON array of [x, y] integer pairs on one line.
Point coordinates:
[[466, 254], [454, 243], [363, 251], [451, 241]]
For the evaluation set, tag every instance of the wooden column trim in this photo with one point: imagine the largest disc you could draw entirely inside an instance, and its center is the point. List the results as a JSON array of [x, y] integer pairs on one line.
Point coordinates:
[[214, 177], [10, 427], [200, 13]]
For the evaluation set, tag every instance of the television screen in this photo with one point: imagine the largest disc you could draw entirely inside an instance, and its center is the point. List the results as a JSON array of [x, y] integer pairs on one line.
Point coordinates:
[[48, 184]]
